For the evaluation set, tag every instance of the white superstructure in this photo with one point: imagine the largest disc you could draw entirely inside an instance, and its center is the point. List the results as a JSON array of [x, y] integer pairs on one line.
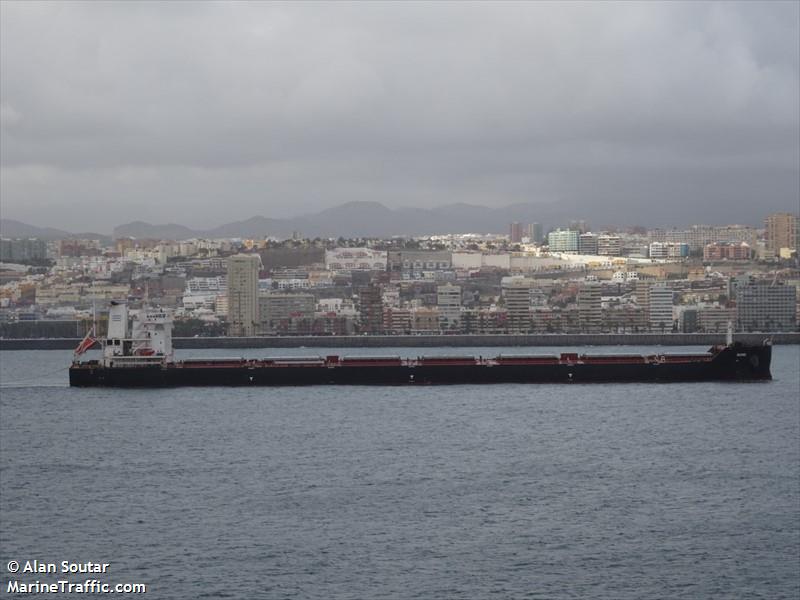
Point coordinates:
[[138, 336]]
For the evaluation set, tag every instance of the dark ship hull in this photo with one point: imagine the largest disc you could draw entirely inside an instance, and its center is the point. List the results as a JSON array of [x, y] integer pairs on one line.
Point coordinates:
[[737, 362]]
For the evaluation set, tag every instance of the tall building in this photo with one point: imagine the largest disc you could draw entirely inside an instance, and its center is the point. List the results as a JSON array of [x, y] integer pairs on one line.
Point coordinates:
[[642, 292], [370, 308], [448, 300], [761, 306], [661, 307], [782, 231], [590, 308], [562, 241], [517, 297], [515, 233], [243, 318], [536, 233], [587, 243]]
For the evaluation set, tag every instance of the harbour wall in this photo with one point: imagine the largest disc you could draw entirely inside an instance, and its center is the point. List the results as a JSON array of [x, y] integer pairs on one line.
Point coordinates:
[[416, 341]]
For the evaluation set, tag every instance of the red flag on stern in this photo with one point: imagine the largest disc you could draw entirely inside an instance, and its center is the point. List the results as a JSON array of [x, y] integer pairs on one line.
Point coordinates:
[[86, 343]]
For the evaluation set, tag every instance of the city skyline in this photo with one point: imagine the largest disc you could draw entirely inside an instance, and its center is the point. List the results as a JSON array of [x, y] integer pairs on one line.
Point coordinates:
[[204, 114]]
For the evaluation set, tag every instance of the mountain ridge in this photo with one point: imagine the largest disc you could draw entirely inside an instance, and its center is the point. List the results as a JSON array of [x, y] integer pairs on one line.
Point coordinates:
[[11, 228], [355, 219]]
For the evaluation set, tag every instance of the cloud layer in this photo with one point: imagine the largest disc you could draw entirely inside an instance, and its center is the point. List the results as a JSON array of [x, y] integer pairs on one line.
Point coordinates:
[[209, 112]]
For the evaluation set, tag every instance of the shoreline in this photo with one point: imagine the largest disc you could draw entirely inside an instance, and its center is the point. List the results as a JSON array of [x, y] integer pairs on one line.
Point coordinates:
[[416, 341]]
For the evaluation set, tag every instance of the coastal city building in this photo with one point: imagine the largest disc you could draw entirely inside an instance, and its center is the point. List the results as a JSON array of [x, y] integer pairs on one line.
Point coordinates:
[[590, 308], [12, 250], [563, 241], [418, 264], [355, 259], [727, 251], [536, 233], [698, 236], [448, 301], [281, 312], [781, 231], [626, 281], [242, 277], [517, 298], [764, 306], [660, 305], [609, 245], [370, 308], [587, 243], [668, 250]]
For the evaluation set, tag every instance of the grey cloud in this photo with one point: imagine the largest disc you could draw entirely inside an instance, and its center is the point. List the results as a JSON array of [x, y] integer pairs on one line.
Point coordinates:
[[206, 112]]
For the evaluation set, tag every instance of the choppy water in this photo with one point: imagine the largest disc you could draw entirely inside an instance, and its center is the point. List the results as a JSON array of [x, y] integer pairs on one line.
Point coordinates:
[[508, 491]]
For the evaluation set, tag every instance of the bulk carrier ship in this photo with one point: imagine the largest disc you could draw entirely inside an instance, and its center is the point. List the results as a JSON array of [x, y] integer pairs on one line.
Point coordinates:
[[137, 352]]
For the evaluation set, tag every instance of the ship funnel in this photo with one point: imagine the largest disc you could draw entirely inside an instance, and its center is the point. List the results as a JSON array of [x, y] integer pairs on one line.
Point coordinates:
[[729, 337]]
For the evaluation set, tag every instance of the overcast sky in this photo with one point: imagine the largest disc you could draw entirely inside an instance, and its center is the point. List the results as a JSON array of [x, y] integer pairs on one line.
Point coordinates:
[[204, 113]]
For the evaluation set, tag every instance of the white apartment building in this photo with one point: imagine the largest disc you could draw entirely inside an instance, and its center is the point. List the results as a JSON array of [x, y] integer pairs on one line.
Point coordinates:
[[448, 300], [661, 307], [355, 259]]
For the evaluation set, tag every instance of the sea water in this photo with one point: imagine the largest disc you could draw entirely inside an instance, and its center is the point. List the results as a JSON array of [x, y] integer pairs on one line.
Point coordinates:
[[505, 491]]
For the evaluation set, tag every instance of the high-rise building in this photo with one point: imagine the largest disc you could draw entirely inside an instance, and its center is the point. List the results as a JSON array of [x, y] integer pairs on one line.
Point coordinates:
[[448, 299], [661, 307], [517, 298], [590, 308], [762, 306], [609, 245], [587, 244], [782, 231], [515, 233], [642, 292], [370, 308], [562, 241], [536, 233], [243, 318]]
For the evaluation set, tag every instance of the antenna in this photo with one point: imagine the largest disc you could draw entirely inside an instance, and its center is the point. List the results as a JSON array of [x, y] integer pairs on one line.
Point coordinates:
[[94, 308]]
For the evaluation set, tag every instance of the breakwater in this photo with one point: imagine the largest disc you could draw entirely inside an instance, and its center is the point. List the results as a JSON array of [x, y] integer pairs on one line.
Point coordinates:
[[417, 341]]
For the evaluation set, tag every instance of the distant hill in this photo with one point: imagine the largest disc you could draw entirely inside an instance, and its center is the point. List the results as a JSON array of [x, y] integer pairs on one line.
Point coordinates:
[[142, 230], [9, 228], [361, 219]]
